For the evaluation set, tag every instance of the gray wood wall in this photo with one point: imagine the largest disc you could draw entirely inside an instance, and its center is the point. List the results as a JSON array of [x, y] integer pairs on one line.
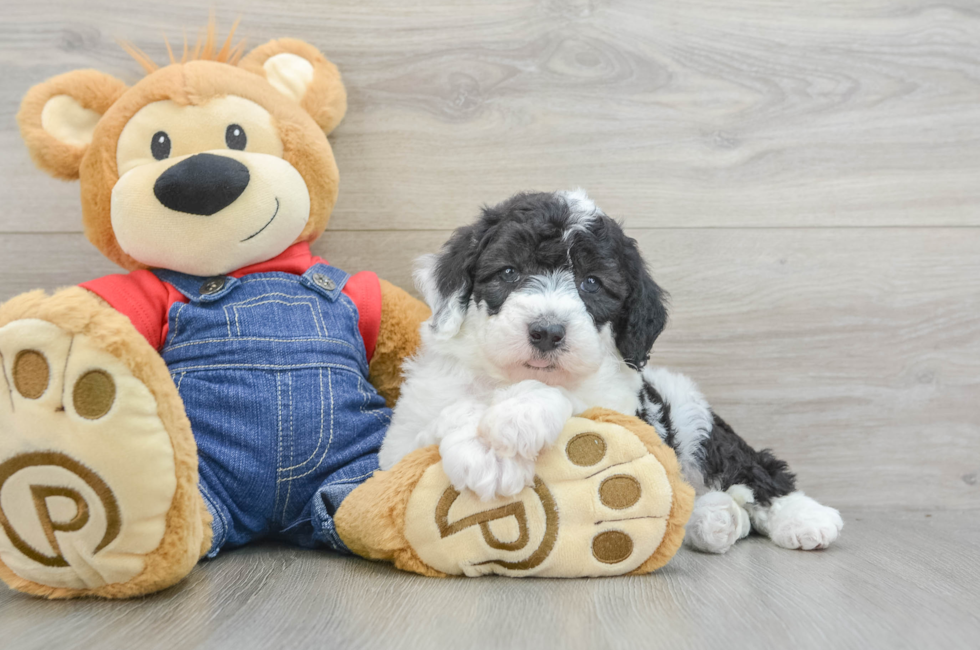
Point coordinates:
[[803, 177]]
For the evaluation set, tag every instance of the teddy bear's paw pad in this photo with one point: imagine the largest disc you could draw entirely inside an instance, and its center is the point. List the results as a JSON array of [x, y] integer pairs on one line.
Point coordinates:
[[87, 469], [599, 505]]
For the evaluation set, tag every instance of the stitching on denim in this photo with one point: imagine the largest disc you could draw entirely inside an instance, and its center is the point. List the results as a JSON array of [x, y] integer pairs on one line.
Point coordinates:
[[300, 301], [383, 419], [350, 480], [216, 509], [173, 334], [330, 440], [361, 350], [268, 294], [262, 338], [180, 381], [319, 440], [347, 302], [251, 366], [292, 440], [279, 436], [269, 278]]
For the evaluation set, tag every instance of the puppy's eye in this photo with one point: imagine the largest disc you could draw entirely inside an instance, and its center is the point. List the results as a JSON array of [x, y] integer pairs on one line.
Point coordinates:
[[235, 137], [160, 145], [590, 284], [510, 275]]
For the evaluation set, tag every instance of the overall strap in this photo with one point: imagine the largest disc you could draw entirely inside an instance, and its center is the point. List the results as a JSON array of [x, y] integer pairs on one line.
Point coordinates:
[[197, 288], [328, 281]]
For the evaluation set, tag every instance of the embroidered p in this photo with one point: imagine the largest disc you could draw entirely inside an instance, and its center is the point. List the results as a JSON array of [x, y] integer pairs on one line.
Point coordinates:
[[41, 494]]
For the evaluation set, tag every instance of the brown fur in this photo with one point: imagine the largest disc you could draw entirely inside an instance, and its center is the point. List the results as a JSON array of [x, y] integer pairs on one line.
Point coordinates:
[[92, 89], [371, 521], [326, 99], [188, 532], [398, 339], [206, 49], [301, 128]]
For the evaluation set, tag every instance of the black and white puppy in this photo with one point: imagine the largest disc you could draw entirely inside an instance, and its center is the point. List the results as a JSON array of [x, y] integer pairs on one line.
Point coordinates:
[[544, 308]]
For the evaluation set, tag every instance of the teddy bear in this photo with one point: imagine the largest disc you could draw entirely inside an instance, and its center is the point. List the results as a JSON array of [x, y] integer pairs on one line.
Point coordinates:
[[233, 386]]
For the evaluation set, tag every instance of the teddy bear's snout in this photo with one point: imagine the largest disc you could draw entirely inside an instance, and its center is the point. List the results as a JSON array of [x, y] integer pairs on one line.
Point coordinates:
[[203, 184]]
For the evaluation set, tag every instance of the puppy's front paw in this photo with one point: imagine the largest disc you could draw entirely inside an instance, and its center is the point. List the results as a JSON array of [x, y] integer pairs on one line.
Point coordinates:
[[525, 419], [797, 521], [470, 463]]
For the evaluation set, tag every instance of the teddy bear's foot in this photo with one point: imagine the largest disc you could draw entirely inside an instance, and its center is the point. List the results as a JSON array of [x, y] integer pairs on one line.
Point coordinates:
[[97, 489], [607, 499]]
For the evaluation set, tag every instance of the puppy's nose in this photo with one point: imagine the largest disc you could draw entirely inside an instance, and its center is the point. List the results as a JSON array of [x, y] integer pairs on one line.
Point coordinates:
[[546, 336], [202, 184]]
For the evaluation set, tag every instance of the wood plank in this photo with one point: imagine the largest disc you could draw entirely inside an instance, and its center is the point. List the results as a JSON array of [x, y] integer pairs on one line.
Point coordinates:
[[853, 352], [895, 580], [699, 113]]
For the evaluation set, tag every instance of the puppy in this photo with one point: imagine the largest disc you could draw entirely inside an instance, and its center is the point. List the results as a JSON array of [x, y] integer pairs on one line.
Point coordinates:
[[544, 308]]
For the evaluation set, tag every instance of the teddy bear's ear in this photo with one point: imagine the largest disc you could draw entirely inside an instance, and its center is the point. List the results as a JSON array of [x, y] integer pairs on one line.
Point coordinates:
[[57, 118], [299, 71]]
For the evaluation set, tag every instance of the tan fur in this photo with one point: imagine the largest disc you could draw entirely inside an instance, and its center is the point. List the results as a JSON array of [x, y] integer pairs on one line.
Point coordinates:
[[188, 530], [398, 339], [206, 49], [371, 521], [92, 89], [326, 99], [683, 502], [302, 128]]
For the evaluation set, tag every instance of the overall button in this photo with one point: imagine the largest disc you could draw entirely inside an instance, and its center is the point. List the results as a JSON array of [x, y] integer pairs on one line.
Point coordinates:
[[324, 282], [212, 285]]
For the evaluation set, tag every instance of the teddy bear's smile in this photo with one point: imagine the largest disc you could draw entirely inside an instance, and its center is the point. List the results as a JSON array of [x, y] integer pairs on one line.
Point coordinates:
[[200, 182], [268, 223]]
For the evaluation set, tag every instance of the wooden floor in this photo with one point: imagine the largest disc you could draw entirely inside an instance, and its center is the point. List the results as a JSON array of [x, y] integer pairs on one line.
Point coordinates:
[[803, 177], [897, 580]]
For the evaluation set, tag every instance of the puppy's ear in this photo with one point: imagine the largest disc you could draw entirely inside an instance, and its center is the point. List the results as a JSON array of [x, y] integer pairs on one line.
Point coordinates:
[[58, 117], [298, 70], [645, 311], [446, 281]]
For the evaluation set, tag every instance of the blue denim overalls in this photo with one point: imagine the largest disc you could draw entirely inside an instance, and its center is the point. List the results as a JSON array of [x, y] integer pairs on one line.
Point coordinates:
[[273, 374]]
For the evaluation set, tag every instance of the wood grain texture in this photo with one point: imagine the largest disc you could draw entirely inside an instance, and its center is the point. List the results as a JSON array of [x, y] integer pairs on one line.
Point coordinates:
[[802, 178], [697, 113], [854, 353], [894, 581]]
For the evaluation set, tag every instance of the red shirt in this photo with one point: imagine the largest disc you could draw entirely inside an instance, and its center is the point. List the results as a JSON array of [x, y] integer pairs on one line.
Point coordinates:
[[146, 299]]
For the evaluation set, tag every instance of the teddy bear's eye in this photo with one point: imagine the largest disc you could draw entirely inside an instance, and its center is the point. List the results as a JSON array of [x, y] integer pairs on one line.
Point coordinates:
[[235, 137], [160, 145]]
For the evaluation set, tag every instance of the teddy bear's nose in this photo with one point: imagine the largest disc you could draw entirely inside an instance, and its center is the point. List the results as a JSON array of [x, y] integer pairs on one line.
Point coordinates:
[[202, 184]]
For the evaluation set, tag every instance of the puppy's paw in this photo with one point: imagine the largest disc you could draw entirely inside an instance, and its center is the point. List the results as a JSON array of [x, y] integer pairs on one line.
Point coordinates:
[[524, 419], [470, 463], [718, 521], [797, 521]]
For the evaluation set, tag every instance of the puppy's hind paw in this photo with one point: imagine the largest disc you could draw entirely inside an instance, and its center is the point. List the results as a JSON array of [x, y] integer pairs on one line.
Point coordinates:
[[718, 521], [798, 522]]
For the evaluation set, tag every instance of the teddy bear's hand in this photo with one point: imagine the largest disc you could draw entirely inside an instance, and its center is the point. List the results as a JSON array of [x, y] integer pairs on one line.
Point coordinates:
[[98, 493]]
